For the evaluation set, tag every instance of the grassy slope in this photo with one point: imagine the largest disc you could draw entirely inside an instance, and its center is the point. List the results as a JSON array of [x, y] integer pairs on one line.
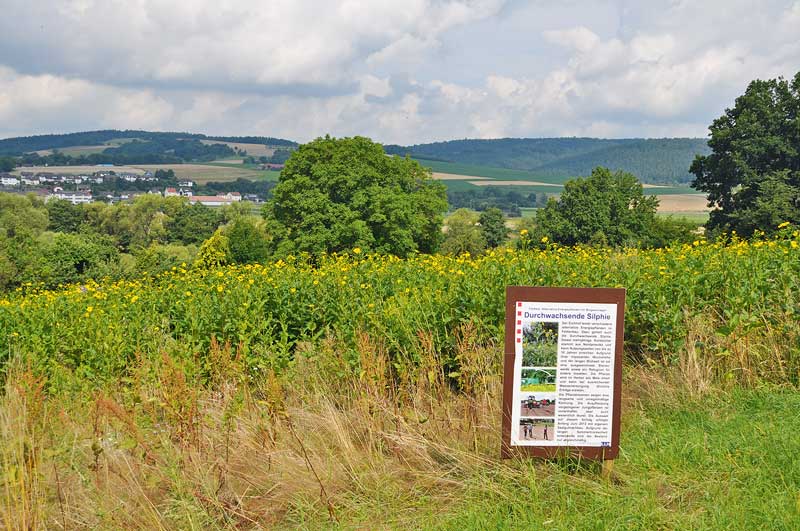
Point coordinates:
[[726, 462]]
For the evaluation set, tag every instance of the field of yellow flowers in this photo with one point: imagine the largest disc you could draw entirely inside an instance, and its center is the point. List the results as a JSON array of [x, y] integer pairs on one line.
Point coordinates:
[[364, 392], [731, 301]]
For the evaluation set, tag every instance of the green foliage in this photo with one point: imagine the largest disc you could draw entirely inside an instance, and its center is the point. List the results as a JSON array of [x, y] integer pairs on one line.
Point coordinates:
[[64, 258], [21, 215], [338, 194], [193, 224], [248, 242], [493, 227], [540, 345], [157, 258], [743, 295], [63, 216], [463, 234], [603, 209], [7, 164], [506, 198], [752, 176]]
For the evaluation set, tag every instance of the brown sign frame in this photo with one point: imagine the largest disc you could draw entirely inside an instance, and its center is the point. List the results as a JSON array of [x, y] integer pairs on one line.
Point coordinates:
[[515, 294]]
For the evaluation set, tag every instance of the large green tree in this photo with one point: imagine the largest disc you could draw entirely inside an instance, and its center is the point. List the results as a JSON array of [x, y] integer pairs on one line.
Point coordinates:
[[606, 208], [337, 194], [752, 176]]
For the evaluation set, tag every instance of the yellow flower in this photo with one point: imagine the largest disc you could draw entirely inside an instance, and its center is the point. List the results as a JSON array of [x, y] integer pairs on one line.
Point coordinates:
[[794, 244], [89, 309], [544, 239], [523, 232], [784, 224], [356, 250], [220, 289]]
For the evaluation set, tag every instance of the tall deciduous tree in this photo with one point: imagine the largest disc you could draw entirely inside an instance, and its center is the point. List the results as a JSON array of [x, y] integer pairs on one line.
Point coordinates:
[[463, 234], [336, 194], [603, 208], [493, 226], [752, 176]]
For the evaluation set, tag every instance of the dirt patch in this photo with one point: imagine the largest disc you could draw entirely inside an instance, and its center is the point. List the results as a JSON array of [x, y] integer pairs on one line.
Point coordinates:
[[683, 203]]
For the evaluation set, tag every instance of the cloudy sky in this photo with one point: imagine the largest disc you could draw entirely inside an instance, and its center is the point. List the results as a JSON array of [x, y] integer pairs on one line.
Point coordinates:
[[407, 71]]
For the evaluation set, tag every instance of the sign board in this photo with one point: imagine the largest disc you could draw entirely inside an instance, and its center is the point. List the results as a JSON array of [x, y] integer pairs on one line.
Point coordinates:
[[563, 371]]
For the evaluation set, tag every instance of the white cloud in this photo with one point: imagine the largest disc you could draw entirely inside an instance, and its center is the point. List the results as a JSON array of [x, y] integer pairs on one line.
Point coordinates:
[[387, 69], [212, 44]]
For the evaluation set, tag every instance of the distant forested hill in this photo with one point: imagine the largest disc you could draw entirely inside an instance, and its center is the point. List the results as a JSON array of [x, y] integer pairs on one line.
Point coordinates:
[[128, 146], [664, 160]]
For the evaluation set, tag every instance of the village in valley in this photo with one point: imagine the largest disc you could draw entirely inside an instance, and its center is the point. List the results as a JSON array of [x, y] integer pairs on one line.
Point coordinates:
[[81, 188]]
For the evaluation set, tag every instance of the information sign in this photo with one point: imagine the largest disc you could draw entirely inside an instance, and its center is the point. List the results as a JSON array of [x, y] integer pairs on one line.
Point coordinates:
[[563, 371]]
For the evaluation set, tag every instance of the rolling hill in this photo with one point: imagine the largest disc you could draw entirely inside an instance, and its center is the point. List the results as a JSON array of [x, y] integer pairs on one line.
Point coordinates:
[[658, 161], [545, 160], [110, 137]]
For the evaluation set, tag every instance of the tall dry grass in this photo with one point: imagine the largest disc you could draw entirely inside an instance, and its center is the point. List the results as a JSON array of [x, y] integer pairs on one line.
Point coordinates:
[[200, 443], [175, 449]]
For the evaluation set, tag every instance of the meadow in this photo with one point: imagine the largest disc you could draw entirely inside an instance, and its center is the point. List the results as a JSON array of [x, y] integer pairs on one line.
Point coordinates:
[[364, 392]]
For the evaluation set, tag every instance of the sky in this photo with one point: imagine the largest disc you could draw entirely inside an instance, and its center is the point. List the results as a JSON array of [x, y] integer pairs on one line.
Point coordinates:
[[405, 72]]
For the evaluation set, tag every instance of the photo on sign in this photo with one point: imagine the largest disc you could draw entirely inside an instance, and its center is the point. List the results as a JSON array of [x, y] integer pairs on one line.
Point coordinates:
[[538, 405], [539, 344], [538, 380], [537, 429]]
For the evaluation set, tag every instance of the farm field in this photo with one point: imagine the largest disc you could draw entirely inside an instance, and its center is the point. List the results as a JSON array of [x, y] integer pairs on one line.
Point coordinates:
[[203, 173], [678, 203], [78, 170], [76, 151], [198, 172], [462, 177], [364, 392], [469, 171], [255, 150]]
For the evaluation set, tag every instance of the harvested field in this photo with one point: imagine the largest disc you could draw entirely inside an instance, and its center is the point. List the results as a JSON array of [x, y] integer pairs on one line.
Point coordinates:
[[454, 177], [76, 151], [78, 170], [493, 182], [683, 203], [200, 173], [256, 150]]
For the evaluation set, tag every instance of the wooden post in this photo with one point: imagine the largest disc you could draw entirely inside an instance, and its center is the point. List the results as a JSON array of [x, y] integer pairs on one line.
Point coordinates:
[[608, 469]]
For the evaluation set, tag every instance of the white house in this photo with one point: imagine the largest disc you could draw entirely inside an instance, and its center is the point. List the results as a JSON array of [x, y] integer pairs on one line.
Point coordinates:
[[9, 181], [73, 197], [216, 200]]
